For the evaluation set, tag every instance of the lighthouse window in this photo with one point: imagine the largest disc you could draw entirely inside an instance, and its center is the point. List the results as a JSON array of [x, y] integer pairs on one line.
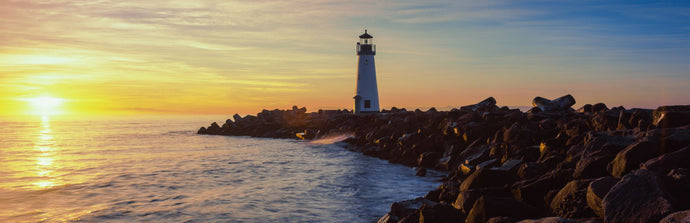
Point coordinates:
[[367, 104]]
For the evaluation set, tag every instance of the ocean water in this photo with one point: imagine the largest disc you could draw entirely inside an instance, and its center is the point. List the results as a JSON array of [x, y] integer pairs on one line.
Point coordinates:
[[158, 169]]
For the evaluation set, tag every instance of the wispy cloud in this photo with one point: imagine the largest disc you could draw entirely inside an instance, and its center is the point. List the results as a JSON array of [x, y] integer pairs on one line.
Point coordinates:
[[291, 51]]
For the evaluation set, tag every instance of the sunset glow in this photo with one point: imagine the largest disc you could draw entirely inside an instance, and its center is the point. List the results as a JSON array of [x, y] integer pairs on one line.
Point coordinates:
[[45, 105], [220, 57]]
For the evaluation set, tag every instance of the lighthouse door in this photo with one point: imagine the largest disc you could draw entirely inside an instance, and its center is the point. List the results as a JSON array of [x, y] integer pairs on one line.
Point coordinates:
[[358, 104]]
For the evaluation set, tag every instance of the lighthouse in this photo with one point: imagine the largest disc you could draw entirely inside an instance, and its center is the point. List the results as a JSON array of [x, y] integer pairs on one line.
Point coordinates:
[[367, 96]]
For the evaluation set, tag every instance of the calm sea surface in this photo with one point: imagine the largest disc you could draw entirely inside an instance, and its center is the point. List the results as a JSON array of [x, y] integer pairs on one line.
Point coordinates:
[[159, 169]]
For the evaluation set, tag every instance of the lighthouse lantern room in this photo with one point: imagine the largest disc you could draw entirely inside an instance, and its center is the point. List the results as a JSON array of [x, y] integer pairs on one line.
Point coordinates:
[[367, 96]]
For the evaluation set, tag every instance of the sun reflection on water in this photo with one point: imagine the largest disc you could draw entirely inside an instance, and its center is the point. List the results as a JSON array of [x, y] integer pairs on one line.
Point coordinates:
[[45, 159]]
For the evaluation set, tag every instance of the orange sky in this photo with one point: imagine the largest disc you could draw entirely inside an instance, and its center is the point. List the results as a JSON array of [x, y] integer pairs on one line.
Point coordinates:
[[225, 57]]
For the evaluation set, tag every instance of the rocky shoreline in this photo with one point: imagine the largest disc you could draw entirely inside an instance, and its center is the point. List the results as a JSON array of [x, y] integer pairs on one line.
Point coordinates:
[[549, 164]]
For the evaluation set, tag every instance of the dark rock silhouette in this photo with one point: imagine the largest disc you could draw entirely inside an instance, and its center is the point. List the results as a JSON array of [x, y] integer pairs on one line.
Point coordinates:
[[487, 207], [571, 200], [640, 196], [557, 105], [596, 191], [549, 164], [549, 220], [440, 212], [678, 217]]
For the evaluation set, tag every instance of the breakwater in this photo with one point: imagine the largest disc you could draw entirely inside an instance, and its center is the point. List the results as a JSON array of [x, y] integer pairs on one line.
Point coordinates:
[[550, 164]]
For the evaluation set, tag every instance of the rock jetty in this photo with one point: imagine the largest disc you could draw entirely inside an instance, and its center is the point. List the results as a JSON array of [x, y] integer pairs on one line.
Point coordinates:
[[550, 164]]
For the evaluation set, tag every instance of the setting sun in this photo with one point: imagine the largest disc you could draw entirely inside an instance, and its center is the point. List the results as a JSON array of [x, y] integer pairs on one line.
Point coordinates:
[[45, 105]]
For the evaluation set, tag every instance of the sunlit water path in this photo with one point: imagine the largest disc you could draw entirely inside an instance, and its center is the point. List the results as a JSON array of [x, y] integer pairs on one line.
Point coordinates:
[[158, 169]]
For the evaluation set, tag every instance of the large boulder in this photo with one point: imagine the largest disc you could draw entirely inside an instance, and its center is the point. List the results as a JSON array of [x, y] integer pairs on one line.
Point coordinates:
[[402, 209], [635, 118], [605, 120], [487, 177], [523, 135], [557, 105], [631, 157], [672, 116], [676, 140], [533, 191], [531, 170], [678, 181], [466, 199], [487, 207], [213, 129], [571, 200], [429, 159], [599, 107], [596, 191], [439, 213], [665, 163], [549, 220], [678, 217], [640, 196], [598, 152], [486, 105]]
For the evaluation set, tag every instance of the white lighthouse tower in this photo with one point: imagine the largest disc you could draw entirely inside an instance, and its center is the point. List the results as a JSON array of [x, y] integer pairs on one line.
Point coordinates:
[[367, 97]]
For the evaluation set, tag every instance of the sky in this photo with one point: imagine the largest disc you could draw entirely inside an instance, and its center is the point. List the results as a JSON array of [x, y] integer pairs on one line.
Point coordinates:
[[241, 56]]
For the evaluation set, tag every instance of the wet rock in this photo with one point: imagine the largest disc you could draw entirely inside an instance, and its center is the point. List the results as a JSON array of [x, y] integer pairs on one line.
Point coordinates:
[[429, 159], [307, 134], [388, 218], [631, 157], [571, 200], [487, 207], [665, 163], [202, 130], [402, 209], [421, 171], [413, 218], [446, 192], [557, 105], [639, 196], [440, 213], [677, 217], [596, 191]]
